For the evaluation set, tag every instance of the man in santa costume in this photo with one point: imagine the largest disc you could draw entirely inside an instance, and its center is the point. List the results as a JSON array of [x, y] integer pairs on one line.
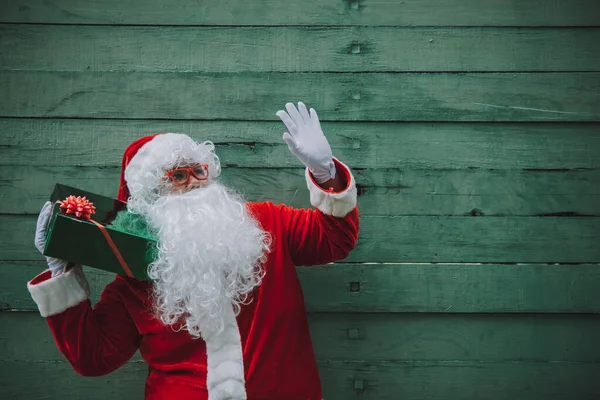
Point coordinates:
[[224, 314]]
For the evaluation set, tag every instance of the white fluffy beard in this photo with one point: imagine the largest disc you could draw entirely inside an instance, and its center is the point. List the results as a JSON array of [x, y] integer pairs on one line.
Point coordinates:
[[210, 256]]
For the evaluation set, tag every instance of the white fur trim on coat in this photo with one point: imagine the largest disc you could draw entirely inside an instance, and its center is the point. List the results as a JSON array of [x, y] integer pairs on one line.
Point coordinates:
[[225, 377], [54, 295], [331, 203]]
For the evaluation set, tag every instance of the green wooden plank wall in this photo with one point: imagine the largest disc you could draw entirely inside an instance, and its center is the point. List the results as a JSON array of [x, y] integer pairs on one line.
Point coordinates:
[[472, 128]]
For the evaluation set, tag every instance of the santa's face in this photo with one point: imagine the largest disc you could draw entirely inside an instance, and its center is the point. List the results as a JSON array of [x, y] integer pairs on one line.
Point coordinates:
[[210, 252], [185, 177]]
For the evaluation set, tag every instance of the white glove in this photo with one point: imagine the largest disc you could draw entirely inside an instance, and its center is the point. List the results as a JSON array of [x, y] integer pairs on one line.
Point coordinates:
[[56, 265], [306, 141]]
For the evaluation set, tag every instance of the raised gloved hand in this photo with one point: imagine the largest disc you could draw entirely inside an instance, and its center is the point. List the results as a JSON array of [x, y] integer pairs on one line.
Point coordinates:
[[306, 141], [56, 265]]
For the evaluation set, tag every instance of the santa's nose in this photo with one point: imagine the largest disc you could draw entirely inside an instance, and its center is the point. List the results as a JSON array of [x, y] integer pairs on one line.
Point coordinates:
[[193, 183]]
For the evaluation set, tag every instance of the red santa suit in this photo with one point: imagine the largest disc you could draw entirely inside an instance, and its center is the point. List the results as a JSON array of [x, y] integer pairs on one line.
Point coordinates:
[[278, 358]]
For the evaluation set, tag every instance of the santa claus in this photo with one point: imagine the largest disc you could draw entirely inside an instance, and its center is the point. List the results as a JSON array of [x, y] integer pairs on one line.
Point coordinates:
[[223, 316]]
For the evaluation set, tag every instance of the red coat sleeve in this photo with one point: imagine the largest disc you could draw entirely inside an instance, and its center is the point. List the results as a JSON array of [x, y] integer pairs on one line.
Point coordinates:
[[317, 238], [328, 233], [95, 340]]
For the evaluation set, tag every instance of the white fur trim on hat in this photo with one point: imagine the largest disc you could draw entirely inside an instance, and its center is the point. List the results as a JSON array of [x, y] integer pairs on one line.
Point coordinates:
[[332, 203], [225, 363], [166, 151], [54, 295]]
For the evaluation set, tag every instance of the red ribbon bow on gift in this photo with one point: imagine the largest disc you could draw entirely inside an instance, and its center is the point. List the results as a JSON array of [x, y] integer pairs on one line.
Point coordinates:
[[82, 208], [78, 206]]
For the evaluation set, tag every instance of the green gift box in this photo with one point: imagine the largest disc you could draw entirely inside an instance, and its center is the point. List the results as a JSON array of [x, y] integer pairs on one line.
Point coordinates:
[[82, 242]]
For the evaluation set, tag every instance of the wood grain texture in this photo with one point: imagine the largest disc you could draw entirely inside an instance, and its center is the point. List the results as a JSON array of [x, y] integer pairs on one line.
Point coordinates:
[[310, 12], [424, 146], [297, 49], [477, 192], [472, 130], [398, 288], [257, 96]]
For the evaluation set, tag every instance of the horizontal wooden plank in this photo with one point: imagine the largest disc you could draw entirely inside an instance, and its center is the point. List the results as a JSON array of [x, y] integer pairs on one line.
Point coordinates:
[[257, 96], [483, 192], [478, 239], [452, 288], [382, 337], [398, 288], [297, 49], [101, 142], [451, 337], [460, 380], [340, 380], [420, 239], [54, 380], [309, 12]]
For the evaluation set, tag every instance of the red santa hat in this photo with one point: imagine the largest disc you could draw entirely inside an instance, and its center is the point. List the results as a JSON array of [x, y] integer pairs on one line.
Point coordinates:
[[146, 159], [131, 151]]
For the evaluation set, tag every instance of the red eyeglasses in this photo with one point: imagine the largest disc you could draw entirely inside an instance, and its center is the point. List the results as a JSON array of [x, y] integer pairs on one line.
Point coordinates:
[[181, 176]]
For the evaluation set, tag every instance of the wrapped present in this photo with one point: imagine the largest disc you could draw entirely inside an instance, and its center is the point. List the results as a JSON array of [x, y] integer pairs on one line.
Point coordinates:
[[83, 230]]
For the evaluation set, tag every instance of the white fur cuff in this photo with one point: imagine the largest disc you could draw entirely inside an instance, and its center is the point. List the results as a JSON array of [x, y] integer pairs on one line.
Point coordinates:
[[331, 203], [54, 295]]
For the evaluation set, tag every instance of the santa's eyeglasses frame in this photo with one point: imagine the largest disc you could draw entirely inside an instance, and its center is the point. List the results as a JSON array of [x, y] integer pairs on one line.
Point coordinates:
[[181, 176]]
